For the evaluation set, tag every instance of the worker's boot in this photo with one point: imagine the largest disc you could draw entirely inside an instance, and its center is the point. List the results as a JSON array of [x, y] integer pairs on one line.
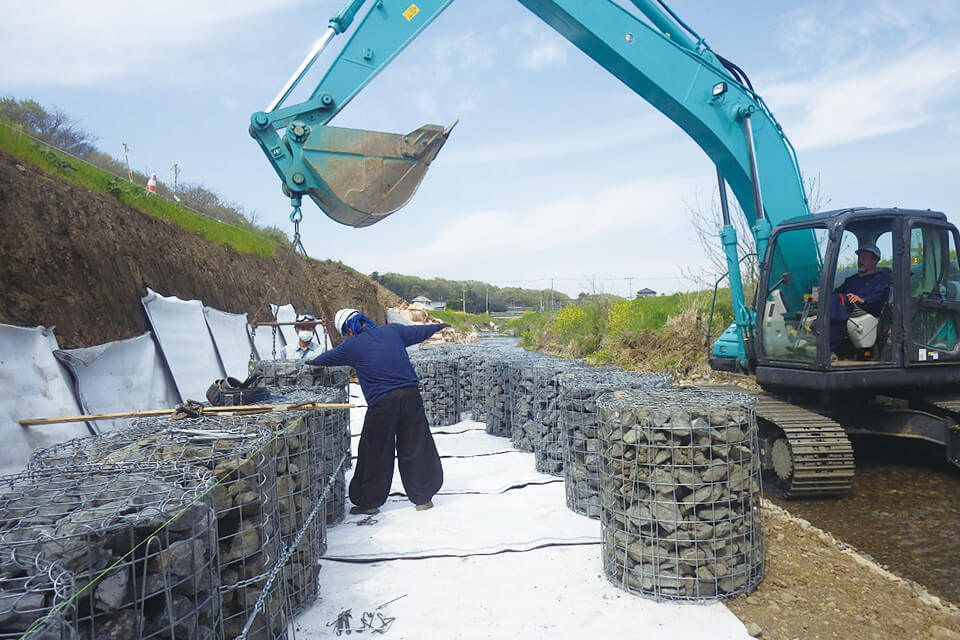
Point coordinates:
[[361, 511], [426, 505]]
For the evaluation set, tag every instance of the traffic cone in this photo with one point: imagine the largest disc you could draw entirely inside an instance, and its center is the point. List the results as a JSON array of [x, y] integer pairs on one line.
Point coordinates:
[[152, 183]]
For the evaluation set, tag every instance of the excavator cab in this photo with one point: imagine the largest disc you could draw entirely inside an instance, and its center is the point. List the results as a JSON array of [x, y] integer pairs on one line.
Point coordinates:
[[810, 335]]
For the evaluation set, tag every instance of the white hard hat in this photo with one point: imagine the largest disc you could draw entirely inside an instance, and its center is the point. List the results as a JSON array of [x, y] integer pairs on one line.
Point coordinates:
[[341, 318]]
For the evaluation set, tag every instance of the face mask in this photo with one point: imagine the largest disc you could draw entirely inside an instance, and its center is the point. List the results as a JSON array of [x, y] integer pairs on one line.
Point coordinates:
[[305, 336]]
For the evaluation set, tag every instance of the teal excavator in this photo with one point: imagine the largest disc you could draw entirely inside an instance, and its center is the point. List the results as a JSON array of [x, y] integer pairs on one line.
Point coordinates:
[[898, 373]]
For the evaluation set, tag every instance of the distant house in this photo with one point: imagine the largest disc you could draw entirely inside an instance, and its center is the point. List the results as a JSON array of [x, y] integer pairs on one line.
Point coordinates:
[[430, 304], [646, 293]]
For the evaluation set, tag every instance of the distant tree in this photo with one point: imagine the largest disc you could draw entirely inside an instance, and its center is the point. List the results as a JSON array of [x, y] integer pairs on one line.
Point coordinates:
[[55, 127]]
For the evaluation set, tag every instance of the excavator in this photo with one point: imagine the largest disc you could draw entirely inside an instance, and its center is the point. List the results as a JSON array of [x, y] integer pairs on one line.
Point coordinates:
[[898, 370]]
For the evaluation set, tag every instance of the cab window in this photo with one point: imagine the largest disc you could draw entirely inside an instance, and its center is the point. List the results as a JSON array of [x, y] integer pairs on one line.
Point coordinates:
[[934, 280]]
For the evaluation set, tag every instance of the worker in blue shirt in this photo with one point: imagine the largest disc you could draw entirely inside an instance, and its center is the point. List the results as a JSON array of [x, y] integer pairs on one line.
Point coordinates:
[[395, 420]]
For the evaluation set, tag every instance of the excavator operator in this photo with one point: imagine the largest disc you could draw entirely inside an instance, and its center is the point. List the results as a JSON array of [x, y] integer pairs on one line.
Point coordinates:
[[868, 289]]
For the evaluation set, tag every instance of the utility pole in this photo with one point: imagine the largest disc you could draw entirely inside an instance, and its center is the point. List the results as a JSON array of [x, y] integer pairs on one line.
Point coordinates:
[[551, 295], [488, 299], [464, 285], [629, 288], [127, 160]]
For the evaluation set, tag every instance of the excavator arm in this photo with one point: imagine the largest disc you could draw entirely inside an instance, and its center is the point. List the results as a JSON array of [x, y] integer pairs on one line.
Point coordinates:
[[359, 177]]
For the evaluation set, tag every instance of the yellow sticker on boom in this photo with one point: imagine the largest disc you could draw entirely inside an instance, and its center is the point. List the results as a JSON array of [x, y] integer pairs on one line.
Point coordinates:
[[411, 11]]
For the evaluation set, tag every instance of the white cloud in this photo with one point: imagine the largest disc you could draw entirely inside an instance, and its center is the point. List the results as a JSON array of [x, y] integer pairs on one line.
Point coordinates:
[[868, 97], [64, 43], [543, 55]]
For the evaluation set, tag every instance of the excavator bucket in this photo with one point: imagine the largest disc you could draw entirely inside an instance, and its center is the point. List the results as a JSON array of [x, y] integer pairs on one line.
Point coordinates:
[[361, 177]]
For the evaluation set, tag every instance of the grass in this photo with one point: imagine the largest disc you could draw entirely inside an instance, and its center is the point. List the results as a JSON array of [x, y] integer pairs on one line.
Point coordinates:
[[664, 333], [239, 238], [464, 321]]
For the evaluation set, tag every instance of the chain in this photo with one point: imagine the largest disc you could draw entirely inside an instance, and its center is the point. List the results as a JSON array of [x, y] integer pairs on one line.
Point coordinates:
[[271, 576], [295, 217], [252, 364]]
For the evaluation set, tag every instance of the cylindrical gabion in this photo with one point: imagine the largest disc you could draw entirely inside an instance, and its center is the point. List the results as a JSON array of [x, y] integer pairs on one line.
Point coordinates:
[[238, 451], [437, 372], [36, 598], [545, 435], [497, 397], [522, 381], [139, 542], [680, 487], [579, 425]]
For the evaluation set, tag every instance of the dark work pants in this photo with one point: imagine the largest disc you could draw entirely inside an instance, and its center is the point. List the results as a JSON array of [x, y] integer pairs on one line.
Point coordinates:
[[396, 422]]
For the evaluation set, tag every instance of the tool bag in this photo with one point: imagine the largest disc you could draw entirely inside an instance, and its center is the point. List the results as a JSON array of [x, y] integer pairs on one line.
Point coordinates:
[[232, 392]]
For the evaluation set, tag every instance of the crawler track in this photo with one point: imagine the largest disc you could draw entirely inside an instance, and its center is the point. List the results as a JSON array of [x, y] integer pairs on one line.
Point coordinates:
[[818, 459]]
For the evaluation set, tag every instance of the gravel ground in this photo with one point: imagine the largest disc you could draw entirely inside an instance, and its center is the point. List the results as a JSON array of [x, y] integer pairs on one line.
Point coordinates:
[[818, 587]]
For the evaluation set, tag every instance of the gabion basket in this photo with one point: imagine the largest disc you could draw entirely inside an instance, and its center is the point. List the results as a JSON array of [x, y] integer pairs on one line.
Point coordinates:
[[333, 425], [545, 437], [139, 542], [497, 391], [680, 487], [438, 386], [579, 430], [238, 451], [36, 598], [296, 373]]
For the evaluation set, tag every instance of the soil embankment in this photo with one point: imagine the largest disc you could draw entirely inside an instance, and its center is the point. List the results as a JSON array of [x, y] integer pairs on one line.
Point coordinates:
[[82, 261]]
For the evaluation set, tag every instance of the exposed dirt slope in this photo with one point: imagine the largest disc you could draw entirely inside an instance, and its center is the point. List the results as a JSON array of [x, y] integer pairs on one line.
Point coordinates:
[[82, 261]]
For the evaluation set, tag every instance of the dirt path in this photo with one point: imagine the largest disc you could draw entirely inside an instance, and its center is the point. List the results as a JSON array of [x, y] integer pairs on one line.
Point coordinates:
[[817, 587]]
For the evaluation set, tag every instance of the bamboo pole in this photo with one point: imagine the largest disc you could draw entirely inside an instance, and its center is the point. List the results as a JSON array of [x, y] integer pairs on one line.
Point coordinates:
[[249, 408]]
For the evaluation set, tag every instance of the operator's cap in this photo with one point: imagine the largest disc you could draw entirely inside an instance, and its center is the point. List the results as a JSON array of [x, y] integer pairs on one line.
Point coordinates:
[[341, 317], [872, 248]]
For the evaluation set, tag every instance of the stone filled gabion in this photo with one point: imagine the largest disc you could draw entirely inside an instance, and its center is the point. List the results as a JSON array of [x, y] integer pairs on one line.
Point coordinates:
[[36, 598], [680, 489], [496, 395], [579, 427], [333, 425], [522, 380], [139, 541], [237, 450], [543, 435], [438, 386], [297, 373]]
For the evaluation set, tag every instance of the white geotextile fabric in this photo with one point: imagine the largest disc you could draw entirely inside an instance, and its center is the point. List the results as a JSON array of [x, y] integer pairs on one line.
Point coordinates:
[[555, 593], [263, 339], [34, 386], [231, 340], [181, 330], [126, 375], [471, 443], [464, 524], [285, 313]]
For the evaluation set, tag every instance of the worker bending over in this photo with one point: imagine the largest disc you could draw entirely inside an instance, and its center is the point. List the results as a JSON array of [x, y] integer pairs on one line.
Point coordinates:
[[395, 420]]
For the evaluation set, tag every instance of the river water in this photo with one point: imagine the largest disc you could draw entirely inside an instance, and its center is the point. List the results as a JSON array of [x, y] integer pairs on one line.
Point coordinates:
[[903, 511]]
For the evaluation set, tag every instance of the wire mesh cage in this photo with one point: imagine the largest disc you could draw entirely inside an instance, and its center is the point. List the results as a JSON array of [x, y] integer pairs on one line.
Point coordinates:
[[497, 396], [297, 373], [522, 381], [439, 385], [579, 431], [138, 540], [333, 426], [36, 597], [680, 492], [545, 437], [238, 451]]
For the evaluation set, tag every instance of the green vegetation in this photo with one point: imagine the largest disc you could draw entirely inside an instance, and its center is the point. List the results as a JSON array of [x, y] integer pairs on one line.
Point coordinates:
[[465, 321], [665, 333], [478, 294], [241, 237]]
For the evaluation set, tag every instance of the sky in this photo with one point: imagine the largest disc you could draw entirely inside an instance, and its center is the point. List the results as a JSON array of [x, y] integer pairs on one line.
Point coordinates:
[[556, 172]]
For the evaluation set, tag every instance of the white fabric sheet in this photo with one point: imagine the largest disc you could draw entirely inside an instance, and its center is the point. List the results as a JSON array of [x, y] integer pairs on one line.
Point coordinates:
[[34, 386], [185, 341], [285, 313], [464, 524], [554, 593], [231, 339], [263, 339], [126, 375]]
